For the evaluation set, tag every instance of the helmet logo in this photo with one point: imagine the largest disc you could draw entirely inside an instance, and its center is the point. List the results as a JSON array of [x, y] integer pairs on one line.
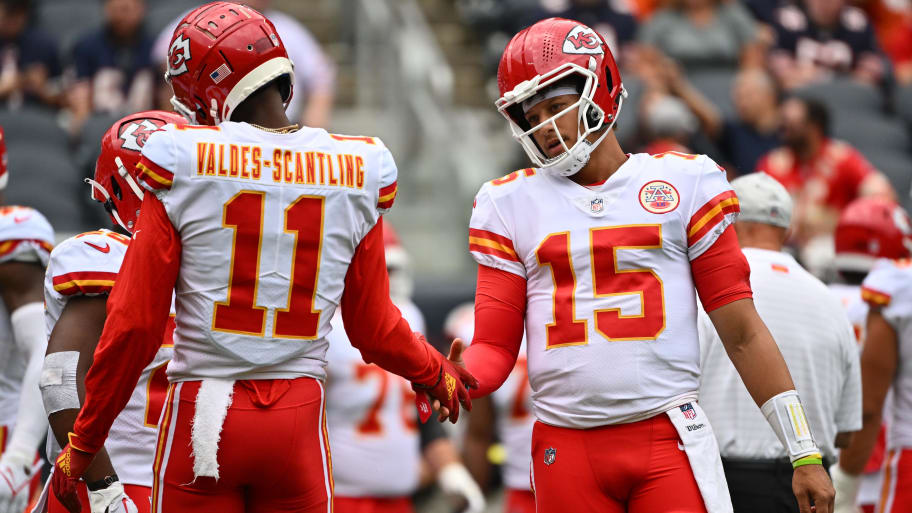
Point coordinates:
[[134, 135], [178, 55], [583, 40]]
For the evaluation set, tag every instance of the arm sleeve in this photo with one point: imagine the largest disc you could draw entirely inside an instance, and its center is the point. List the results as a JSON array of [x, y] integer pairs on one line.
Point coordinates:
[[490, 241], [500, 309], [374, 325], [721, 274], [138, 311], [714, 208]]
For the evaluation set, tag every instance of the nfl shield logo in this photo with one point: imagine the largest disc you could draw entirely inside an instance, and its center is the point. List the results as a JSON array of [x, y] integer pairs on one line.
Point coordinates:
[[688, 411], [550, 455], [596, 205]]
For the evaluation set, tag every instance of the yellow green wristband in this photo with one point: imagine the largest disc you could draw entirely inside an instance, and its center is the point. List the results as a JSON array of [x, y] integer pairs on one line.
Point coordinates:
[[810, 459]]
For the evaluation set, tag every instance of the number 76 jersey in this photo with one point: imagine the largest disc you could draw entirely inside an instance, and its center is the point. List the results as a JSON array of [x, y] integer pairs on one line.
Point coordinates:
[[611, 309]]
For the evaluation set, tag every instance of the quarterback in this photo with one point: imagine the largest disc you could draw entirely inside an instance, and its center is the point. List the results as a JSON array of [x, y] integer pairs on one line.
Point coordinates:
[[597, 254], [261, 228], [80, 275]]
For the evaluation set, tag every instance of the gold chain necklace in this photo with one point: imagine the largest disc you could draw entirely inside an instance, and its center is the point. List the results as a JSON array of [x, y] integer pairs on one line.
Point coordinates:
[[282, 130]]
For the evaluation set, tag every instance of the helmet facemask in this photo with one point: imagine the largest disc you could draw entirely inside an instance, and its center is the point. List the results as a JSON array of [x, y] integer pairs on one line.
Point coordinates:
[[591, 118], [110, 198]]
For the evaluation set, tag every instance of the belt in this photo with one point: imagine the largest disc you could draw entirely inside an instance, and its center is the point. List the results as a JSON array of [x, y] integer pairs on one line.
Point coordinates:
[[760, 464]]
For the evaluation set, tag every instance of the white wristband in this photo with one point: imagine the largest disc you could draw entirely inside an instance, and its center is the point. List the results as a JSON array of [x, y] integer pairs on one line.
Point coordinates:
[[785, 415]]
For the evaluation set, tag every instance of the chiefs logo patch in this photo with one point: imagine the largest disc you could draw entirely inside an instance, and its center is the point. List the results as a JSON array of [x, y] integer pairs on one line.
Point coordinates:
[[135, 133], [582, 40], [178, 55], [659, 197]]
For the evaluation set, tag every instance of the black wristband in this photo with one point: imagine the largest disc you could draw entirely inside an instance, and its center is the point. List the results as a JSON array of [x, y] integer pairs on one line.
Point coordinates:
[[428, 387], [101, 484]]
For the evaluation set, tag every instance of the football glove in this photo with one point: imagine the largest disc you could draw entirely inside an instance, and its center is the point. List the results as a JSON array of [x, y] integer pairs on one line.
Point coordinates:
[[112, 499], [71, 464], [15, 477], [449, 389], [454, 479]]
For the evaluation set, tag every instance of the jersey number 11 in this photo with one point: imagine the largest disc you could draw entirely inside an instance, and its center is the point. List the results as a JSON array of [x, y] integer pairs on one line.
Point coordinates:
[[239, 314]]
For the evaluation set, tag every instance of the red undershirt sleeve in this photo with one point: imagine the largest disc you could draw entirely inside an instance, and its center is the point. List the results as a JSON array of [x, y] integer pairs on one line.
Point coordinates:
[[500, 309], [137, 315], [374, 324], [721, 274]]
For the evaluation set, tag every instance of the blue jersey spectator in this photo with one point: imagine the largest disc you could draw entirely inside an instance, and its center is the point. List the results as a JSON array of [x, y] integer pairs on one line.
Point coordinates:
[[113, 64]]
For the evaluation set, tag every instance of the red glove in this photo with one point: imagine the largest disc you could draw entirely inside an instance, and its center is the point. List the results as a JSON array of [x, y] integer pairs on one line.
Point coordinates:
[[69, 467], [449, 388]]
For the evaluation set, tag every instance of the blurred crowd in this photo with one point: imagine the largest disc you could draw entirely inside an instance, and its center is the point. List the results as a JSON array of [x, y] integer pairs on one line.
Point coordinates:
[[816, 93]]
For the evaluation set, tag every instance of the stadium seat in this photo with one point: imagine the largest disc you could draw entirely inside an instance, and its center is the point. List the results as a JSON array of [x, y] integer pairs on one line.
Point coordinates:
[[897, 167], [43, 174], [68, 20], [716, 85], [844, 95], [904, 103], [871, 133]]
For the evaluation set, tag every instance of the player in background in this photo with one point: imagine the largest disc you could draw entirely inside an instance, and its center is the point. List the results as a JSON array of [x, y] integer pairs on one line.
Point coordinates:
[[596, 253], [262, 229], [868, 229], [884, 230], [381, 453], [506, 413], [81, 273], [26, 240]]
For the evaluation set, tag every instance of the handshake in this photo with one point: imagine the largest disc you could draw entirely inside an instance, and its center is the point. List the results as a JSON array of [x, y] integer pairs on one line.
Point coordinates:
[[450, 388]]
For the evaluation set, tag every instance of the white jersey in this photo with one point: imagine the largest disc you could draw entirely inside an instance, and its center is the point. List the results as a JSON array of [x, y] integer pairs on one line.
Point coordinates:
[[611, 314], [87, 265], [856, 309], [889, 287], [25, 235], [269, 224], [372, 420], [513, 415], [817, 342]]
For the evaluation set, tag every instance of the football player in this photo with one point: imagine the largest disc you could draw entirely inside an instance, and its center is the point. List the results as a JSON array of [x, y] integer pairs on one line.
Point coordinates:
[[881, 229], [597, 253], [81, 273], [868, 229], [262, 228], [26, 240], [373, 423], [507, 413]]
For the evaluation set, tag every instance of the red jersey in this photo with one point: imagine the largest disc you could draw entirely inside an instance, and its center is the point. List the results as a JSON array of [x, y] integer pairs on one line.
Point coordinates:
[[832, 178]]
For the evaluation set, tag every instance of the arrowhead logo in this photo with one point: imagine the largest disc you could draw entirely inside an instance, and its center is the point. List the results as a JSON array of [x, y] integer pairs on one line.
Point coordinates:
[[582, 40], [104, 249]]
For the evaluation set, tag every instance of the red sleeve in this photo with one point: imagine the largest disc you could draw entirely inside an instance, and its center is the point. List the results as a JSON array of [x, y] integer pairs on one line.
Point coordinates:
[[721, 274], [138, 311], [374, 325], [500, 309]]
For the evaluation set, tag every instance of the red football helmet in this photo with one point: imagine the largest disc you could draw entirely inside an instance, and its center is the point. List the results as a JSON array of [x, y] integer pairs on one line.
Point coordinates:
[[542, 58], [115, 184], [220, 54], [871, 228], [4, 176], [398, 264]]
